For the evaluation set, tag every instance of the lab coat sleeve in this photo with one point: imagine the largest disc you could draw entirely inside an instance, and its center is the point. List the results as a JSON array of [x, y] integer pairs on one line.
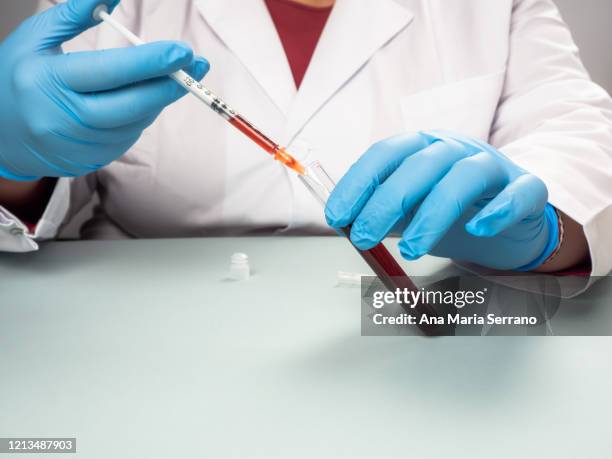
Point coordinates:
[[556, 123], [14, 234], [68, 198]]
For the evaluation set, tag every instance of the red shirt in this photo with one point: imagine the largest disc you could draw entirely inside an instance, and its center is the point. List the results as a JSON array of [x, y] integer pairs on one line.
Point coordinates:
[[299, 28]]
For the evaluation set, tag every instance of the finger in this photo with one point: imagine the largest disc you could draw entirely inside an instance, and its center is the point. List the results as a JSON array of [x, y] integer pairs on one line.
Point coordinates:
[[82, 158], [402, 191], [96, 142], [84, 134], [362, 179], [89, 155], [523, 198], [468, 181], [65, 21], [95, 71], [130, 104]]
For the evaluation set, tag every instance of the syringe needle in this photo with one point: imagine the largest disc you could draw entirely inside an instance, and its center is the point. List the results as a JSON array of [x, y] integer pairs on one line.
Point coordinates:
[[209, 98]]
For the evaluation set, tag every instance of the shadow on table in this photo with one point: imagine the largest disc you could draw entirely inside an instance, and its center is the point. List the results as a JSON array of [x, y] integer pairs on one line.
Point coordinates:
[[450, 371], [455, 370]]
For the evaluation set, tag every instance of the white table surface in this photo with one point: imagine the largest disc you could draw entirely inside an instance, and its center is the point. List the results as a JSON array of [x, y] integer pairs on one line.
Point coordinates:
[[143, 349]]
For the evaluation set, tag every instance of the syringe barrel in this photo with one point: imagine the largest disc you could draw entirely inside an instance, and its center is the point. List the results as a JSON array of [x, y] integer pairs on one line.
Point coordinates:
[[204, 94]]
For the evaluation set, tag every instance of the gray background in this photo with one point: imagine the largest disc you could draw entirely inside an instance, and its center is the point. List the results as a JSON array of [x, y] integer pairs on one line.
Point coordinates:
[[590, 21]]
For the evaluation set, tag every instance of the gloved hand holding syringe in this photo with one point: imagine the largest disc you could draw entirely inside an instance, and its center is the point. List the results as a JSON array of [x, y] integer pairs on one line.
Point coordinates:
[[210, 99]]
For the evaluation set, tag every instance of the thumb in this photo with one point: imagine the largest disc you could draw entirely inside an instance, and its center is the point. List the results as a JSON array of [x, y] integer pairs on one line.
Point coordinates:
[[66, 20]]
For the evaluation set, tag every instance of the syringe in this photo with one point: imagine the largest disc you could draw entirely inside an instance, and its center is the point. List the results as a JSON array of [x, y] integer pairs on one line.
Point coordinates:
[[210, 99]]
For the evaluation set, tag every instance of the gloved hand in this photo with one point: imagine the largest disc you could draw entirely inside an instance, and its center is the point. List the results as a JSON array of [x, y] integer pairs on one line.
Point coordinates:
[[70, 114], [450, 196]]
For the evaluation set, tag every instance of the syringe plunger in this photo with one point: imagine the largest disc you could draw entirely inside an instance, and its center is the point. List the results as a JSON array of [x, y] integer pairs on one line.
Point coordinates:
[[101, 8]]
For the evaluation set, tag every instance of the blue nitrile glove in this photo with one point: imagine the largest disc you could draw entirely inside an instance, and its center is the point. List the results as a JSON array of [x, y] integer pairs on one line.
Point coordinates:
[[450, 196], [70, 114]]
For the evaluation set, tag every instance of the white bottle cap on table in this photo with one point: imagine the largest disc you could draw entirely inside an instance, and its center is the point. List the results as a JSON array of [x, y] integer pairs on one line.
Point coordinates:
[[239, 267]]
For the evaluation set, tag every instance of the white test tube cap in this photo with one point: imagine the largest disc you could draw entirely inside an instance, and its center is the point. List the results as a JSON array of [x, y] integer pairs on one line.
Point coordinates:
[[101, 8], [240, 269], [346, 279]]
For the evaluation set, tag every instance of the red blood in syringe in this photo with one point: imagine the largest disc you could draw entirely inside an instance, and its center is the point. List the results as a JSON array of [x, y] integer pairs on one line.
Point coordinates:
[[266, 143]]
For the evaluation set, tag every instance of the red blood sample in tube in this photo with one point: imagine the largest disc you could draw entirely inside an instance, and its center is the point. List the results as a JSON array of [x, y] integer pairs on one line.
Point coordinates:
[[393, 277], [385, 266]]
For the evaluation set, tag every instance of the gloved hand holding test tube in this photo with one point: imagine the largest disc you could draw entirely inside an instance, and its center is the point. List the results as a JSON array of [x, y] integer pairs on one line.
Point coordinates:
[[314, 176], [380, 260]]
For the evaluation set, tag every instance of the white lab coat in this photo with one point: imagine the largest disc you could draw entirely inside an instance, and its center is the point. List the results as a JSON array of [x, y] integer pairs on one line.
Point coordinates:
[[504, 71]]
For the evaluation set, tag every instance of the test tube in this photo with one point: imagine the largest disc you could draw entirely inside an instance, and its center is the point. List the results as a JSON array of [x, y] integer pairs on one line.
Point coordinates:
[[380, 260]]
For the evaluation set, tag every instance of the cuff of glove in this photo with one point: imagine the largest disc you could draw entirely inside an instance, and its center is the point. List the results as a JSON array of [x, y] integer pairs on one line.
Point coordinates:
[[552, 222]]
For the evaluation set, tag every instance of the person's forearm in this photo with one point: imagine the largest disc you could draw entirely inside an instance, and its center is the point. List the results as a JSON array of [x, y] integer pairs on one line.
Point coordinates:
[[27, 200], [574, 250]]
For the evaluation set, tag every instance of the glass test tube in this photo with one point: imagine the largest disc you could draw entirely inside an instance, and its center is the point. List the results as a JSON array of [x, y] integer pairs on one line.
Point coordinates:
[[380, 260]]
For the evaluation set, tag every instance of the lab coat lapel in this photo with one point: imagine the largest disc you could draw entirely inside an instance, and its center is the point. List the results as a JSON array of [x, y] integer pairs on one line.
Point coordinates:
[[246, 28], [356, 29]]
